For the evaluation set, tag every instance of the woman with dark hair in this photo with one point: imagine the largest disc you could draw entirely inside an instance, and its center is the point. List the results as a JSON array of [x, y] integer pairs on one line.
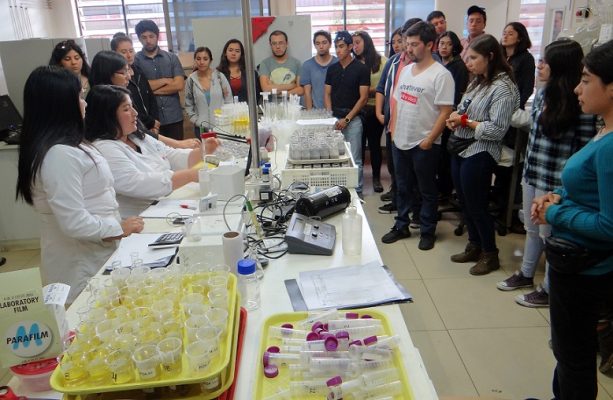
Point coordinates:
[[480, 123], [449, 49], [364, 50], [232, 65], [67, 181], [206, 90], [144, 169], [515, 43], [143, 98], [580, 250], [558, 129], [110, 68], [68, 55], [395, 42]]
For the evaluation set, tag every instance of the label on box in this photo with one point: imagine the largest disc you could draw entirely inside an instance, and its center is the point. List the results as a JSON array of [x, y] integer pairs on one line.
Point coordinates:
[[28, 328]]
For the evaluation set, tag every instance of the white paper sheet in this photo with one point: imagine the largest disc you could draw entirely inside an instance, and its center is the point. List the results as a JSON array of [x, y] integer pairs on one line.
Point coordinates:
[[348, 287], [165, 207], [138, 242]]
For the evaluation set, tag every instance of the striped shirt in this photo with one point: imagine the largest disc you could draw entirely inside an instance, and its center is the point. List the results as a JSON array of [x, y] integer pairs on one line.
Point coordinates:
[[545, 157], [492, 106]]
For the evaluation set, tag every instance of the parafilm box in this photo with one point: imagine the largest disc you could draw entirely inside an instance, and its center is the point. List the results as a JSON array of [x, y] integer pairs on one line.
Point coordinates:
[[28, 328]]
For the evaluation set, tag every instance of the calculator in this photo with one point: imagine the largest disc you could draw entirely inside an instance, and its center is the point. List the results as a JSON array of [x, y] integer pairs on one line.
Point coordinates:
[[167, 240]]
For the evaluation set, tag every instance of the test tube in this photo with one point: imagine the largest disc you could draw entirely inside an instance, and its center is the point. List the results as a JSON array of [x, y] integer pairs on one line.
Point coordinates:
[[319, 317], [280, 332], [380, 392], [280, 358], [361, 332], [338, 324], [312, 387]]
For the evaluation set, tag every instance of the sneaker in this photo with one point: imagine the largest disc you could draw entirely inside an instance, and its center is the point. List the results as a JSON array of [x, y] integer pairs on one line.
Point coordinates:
[[515, 281], [396, 234], [538, 298], [605, 344], [426, 242], [387, 196], [415, 223], [387, 209]]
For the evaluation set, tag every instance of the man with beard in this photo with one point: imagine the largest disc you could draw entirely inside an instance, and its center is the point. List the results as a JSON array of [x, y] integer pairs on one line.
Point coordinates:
[[314, 70], [280, 71], [424, 99], [165, 75]]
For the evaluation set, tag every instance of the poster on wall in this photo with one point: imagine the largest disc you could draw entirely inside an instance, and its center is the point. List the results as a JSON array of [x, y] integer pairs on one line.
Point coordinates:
[[557, 23]]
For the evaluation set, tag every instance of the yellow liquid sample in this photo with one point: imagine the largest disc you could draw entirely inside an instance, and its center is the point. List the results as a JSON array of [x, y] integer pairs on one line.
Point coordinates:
[[74, 374], [172, 368]]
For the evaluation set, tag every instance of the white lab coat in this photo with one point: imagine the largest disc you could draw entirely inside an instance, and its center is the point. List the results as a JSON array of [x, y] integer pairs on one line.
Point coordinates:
[[74, 196], [141, 177]]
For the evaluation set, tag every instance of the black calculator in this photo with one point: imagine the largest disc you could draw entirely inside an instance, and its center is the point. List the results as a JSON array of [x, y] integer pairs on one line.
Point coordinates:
[[167, 240]]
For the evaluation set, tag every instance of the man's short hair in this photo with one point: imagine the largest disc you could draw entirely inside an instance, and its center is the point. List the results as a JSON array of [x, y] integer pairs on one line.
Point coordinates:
[[477, 9], [424, 30], [146, 25], [326, 34], [435, 14], [409, 23], [277, 33]]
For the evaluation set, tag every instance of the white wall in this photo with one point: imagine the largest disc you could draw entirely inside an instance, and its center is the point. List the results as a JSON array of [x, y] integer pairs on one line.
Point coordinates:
[[499, 12]]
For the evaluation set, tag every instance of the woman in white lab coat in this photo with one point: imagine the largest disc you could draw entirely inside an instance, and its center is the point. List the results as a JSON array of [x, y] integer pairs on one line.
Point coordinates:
[[144, 169], [67, 181]]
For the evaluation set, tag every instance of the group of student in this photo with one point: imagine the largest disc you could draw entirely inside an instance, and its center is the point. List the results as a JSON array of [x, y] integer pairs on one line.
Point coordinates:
[[98, 144]]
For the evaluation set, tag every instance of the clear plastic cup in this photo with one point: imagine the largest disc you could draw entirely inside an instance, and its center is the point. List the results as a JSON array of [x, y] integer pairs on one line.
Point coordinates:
[[152, 333], [124, 341], [144, 300], [211, 335], [73, 369], [218, 281], [121, 366], [197, 298], [99, 372], [163, 310], [218, 317], [138, 269], [192, 324], [173, 329], [120, 275], [198, 357], [106, 329], [170, 350], [122, 313], [218, 298], [196, 309], [146, 359]]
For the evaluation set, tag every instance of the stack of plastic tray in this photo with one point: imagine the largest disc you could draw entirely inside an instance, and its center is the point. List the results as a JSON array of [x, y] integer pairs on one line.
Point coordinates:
[[268, 387], [185, 385], [321, 173]]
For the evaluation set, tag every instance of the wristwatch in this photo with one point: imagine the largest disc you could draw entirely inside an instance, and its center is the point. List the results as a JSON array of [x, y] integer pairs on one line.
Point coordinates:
[[347, 120]]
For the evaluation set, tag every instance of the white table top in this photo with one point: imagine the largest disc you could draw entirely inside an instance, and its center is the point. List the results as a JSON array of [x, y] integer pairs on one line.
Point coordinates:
[[274, 299]]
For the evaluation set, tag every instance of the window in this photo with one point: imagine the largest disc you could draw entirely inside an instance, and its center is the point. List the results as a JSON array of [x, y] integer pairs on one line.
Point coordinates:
[[351, 15], [104, 18], [532, 15]]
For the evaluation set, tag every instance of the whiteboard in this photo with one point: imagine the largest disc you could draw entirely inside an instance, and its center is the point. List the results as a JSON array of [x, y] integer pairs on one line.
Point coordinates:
[[214, 33]]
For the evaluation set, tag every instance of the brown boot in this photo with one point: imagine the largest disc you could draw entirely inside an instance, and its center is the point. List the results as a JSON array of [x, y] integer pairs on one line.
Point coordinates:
[[472, 252], [487, 263]]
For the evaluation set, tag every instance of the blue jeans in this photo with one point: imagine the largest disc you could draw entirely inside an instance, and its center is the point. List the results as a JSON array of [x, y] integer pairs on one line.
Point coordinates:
[[472, 178], [415, 172], [353, 135], [535, 236]]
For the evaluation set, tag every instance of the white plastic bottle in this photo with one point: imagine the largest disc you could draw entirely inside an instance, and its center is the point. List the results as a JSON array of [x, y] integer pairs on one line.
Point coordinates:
[[248, 284], [352, 232]]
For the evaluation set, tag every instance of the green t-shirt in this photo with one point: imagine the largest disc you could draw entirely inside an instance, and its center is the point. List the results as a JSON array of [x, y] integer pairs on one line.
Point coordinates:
[[281, 73]]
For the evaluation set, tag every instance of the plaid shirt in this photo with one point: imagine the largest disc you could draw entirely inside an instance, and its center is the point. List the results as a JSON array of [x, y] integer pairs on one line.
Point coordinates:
[[545, 157]]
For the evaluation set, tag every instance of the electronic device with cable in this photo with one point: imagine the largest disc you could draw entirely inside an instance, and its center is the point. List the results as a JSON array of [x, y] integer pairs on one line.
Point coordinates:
[[306, 235], [324, 203]]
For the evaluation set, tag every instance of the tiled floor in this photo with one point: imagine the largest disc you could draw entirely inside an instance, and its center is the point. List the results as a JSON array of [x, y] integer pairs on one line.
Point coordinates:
[[473, 338]]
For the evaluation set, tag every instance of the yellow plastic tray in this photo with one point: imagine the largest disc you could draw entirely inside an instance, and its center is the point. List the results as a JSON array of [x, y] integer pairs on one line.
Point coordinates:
[[217, 366], [181, 392], [267, 387]]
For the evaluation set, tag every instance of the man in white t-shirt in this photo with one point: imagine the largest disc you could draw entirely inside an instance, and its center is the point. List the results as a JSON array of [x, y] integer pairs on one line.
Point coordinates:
[[424, 99]]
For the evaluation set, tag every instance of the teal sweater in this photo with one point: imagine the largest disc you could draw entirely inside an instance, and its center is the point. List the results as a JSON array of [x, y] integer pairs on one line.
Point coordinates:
[[585, 213]]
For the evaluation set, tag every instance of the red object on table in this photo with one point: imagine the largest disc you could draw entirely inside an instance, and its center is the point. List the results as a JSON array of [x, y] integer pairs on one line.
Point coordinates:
[[229, 394]]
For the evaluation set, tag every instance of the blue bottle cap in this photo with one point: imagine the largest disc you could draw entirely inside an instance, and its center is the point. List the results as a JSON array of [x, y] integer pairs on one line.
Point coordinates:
[[265, 171], [246, 266]]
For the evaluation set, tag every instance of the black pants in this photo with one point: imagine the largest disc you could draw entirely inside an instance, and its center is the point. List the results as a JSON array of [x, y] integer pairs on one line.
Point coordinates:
[[443, 178], [372, 133], [576, 303], [390, 164], [174, 130]]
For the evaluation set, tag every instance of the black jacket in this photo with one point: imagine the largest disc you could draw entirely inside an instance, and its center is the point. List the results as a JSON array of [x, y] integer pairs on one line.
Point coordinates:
[[143, 98], [458, 70], [523, 71]]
